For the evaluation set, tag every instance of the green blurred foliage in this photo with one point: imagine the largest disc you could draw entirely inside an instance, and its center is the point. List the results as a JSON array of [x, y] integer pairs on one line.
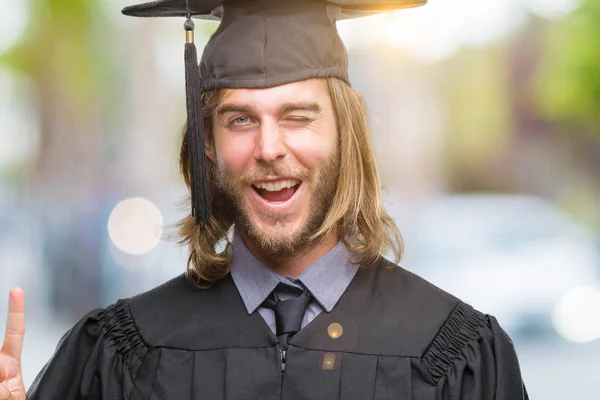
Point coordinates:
[[66, 53], [476, 91], [568, 82], [477, 99], [64, 48]]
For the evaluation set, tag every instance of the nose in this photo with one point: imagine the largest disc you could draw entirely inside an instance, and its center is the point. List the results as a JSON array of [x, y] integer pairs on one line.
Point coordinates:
[[270, 145]]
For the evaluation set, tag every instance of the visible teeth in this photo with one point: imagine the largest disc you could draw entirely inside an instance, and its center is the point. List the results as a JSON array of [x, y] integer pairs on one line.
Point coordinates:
[[276, 186]]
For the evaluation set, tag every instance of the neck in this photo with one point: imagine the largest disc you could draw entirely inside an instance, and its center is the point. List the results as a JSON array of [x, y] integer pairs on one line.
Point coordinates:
[[296, 264]]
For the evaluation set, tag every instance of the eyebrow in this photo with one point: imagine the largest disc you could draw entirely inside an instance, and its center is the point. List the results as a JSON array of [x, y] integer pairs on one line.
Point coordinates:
[[236, 108], [312, 107]]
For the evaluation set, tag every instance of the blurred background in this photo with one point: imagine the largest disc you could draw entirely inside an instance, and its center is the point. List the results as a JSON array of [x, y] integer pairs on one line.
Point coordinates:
[[485, 117]]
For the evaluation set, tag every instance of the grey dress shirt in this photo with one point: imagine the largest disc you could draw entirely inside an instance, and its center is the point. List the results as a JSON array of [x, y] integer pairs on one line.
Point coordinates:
[[327, 279]]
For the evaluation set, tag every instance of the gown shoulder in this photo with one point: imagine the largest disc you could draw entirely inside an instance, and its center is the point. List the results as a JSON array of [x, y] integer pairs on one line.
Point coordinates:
[[115, 352], [101, 354], [472, 357], [461, 351]]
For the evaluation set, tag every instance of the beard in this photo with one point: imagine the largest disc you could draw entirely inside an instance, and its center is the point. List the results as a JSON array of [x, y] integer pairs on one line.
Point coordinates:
[[320, 191]]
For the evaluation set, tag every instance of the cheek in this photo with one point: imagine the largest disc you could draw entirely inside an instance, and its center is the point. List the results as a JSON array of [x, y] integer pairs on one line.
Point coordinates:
[[313, 150], [233, 153]]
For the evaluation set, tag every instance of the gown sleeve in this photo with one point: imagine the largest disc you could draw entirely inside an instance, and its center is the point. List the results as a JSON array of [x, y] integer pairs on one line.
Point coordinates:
[[97, 359], [472, 358]]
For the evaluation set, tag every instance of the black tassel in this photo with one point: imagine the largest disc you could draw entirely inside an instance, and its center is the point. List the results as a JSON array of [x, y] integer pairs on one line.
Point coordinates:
[[195, 130]]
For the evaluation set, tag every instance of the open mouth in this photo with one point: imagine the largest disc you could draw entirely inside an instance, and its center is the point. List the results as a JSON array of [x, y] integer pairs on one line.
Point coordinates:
[[277, 191]]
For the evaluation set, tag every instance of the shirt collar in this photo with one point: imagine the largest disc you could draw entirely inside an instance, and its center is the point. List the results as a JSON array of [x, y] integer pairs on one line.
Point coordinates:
[[327, 279], [253, 280]]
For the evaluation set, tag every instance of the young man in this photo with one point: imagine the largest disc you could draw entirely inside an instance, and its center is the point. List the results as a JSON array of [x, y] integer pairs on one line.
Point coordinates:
[[299, 304]]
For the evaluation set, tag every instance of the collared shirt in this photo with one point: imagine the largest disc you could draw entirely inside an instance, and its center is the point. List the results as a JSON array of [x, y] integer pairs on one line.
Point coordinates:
[[326, 280]]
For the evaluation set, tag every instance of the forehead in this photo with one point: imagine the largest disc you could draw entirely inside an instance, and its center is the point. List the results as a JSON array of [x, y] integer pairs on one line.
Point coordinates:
[[310, 90]]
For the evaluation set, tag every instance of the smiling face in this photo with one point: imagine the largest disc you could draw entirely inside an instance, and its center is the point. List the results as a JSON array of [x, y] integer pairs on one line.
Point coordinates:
[[276, 155]]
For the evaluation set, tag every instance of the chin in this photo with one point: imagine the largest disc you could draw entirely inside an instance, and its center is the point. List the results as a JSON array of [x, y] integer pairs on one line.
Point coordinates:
[[276, 236], [278, 230]]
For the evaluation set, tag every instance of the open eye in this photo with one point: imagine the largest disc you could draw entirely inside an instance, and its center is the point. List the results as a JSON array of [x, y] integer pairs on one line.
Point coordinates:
[[240, 120]]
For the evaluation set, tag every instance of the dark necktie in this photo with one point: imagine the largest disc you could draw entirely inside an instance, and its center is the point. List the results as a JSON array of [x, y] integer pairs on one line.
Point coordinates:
[[288, 315]]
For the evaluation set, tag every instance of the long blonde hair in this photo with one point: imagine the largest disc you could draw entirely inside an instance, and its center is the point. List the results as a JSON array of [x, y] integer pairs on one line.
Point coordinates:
[[356, 212]]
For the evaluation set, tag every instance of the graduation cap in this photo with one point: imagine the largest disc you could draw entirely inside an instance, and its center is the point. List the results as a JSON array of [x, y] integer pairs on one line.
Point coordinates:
[[258, 44]]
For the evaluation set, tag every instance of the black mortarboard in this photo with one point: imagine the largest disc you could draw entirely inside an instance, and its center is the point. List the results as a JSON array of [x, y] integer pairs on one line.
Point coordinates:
[[258, 44]]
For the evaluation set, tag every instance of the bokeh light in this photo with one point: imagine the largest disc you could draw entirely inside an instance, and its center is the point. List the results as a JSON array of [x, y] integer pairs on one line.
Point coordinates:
[[577, 316], [552, 8], [19, 133], [13, 21], [135, 226], [440, 29]]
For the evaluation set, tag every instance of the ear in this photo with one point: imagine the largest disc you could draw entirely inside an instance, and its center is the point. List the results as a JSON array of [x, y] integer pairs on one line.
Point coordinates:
[[209, 147]]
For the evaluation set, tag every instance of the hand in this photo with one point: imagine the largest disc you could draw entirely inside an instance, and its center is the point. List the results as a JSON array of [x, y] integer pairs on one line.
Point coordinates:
[[11, 378]]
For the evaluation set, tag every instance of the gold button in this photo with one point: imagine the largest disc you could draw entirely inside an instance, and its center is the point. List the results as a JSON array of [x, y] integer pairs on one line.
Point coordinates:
[[335, 330]]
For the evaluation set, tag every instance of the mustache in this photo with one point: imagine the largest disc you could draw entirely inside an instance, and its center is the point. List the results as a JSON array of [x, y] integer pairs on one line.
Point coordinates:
[[261, 173]]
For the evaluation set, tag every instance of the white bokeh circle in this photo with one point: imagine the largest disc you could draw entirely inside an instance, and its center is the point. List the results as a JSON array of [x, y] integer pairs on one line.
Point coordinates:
[[577, 315], [135, 226]]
